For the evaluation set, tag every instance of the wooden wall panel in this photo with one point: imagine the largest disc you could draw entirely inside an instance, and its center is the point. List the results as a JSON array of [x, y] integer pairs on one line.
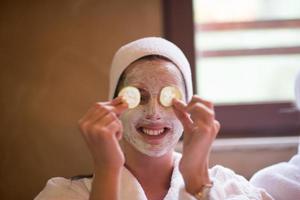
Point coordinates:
[[54, 58]]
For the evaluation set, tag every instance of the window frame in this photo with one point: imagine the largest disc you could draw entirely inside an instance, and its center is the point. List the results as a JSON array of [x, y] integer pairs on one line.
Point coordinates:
[[242, 120]]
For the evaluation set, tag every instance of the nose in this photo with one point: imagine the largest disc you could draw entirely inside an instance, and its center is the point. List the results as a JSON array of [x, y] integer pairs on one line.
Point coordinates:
[[152, 110]]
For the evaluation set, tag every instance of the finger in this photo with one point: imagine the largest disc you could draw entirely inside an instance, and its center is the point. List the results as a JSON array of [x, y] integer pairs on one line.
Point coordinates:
[[96, 109], [99, 124], [179, 105], [180, 111], [207, 103], [107, 119], [104, 113], [120, 108], [204, 128], [217, 125], [112, 102], [119, 133], [116, 128], [117, 100], [100, 112], [185, 120], [200, 112]]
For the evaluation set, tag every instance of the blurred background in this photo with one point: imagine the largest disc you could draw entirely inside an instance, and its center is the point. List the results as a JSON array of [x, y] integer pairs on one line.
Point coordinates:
[[55, 58]]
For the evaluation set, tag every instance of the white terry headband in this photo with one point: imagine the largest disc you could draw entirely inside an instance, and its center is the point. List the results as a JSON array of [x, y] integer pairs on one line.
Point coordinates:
[[137, 49]]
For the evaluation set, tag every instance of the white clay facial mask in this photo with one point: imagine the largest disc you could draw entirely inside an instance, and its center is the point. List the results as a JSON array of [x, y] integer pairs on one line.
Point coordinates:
[[131, 95]]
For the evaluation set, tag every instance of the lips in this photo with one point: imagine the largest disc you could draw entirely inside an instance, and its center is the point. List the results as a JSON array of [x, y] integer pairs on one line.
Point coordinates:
[[153, 130]]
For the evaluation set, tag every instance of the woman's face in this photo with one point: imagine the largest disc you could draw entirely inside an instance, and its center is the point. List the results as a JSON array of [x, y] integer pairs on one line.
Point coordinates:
[[150, 127]]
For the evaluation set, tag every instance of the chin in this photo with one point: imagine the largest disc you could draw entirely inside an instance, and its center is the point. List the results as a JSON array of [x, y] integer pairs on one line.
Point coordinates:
[[145, 147]]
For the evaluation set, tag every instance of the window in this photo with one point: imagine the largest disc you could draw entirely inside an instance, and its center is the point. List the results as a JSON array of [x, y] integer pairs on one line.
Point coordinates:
[[239, 52]]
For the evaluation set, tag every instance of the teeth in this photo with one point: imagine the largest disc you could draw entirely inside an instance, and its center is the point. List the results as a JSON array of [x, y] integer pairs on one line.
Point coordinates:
[[153, 132]]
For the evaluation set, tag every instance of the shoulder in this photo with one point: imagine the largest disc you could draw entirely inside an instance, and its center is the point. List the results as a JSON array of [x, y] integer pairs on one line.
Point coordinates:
[[277, 172], [280, 180], [229, 184], [62, 188]]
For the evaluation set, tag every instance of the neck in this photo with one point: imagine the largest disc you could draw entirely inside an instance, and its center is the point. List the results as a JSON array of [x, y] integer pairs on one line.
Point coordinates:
[[151, 172], [138, 162]]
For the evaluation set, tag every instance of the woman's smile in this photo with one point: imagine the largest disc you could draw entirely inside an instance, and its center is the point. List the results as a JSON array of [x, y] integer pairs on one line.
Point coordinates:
[[153, 132]]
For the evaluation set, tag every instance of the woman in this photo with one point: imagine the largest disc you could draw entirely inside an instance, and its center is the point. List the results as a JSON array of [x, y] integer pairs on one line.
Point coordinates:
[[133, 148], [282, 180]]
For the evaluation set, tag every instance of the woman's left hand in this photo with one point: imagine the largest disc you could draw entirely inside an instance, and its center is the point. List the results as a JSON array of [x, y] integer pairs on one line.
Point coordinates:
[[200, 130]]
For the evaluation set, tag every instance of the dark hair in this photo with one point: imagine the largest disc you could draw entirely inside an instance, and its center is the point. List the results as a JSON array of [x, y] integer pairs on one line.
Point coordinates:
[[77, 177]]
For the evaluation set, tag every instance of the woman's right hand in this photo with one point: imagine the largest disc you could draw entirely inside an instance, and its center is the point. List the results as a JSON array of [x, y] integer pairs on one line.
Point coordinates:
[[101, 130]]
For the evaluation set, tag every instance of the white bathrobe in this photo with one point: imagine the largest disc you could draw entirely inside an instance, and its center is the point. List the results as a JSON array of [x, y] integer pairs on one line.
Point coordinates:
[[281, 180], [227, 185]]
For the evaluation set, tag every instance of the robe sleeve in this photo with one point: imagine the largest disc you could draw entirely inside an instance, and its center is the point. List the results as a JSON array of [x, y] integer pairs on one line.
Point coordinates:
[[230, 186], [281, 180], [59, 188]]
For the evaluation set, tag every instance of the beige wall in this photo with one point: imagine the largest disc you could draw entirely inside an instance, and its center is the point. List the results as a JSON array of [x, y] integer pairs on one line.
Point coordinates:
[[54, 58]]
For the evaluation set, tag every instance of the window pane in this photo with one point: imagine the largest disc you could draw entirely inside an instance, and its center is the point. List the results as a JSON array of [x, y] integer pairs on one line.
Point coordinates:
[[253, 79], [207, 11], [244, 39], [249, 64]]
